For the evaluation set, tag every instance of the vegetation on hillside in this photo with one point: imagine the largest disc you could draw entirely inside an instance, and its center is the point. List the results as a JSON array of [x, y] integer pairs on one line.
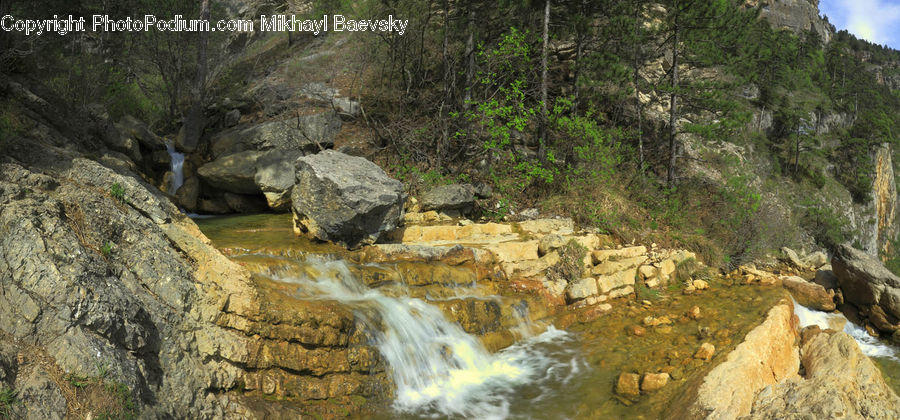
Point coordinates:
[[601, 110]]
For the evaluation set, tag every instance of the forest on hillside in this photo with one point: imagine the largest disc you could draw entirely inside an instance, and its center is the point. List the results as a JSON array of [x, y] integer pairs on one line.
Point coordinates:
[[593, 109]]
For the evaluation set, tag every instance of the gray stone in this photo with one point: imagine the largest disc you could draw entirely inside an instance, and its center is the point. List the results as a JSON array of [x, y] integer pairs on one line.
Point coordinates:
[[790, 256], [40, 396], [550, 243], [815, 259], [345, 199], [134, 128], [825, 277], [307, 134], [582, 289], [449, 197], [865, 282], [233, 173], [232, 118], [275, 176], [188, 193]]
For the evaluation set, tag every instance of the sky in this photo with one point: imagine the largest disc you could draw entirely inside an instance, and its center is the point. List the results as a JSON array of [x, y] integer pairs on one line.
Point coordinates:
[[877, 21]]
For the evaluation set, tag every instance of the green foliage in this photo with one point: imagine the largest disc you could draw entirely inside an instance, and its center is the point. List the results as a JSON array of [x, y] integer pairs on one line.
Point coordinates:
[[642, 292], [827, 227], [106, 249], [117, 191], [8, 400]]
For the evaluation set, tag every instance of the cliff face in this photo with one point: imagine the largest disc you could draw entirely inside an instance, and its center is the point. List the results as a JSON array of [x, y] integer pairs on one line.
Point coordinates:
[[884, 194], [796, 15]]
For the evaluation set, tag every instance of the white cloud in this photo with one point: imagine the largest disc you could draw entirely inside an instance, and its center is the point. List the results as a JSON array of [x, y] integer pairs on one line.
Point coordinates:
[[877, 21]]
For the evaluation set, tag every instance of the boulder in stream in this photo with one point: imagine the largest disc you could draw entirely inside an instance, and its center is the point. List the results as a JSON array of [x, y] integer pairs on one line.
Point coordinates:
[[866, 283], [345, 199]]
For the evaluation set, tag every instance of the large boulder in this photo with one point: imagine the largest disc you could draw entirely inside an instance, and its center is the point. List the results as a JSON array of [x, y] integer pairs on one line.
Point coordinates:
[[865, 282], [840, 382], [307, 134], [449, 197], [275, 177], [233, 173], [811, 295], [134, 128], [345, 199]]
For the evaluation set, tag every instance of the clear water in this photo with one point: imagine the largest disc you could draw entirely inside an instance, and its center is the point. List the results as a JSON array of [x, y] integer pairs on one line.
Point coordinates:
[[177, 166]]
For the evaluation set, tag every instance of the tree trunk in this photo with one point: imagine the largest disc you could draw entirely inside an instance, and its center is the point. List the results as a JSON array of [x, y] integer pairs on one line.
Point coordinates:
[[195, 120], [448, 85], [637, 92], [544, 53], [470, 57], [673, 106], [579, 51]]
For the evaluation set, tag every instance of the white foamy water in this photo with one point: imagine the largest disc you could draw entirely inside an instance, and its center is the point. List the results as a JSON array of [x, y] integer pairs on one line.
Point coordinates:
[[869, 345], [177, 166], [440, 371]]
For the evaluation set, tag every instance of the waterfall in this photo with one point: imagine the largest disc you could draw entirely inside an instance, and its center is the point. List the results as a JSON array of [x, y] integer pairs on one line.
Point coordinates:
[[869, 345], [439, 370], [177, 167]]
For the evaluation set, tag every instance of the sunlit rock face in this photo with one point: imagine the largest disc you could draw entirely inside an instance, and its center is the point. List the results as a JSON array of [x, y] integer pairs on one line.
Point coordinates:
[[884, 195], [796, 15]]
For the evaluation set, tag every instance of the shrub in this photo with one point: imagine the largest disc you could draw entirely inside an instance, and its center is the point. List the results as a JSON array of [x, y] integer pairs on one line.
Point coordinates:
[[8, 399], [117, 191], [571, 263]]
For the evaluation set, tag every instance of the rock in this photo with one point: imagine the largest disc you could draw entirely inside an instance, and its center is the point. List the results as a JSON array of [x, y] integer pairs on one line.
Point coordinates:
[[346, 106], [531, 268], [790, 256], [652, 382], [767, 355], [213, 206], [603, 255], [617, 280], [648, 272], [808, 294], [136, 129], [694, 312], [233, 173], [705, 352], [232, 118], [449, 197], [482, 190], [548, 226], [529, 214], [242, 203], [115, 140], [636, 330], [40, 396], [275, 176], [514, 251], [865, 282], [611, 267], [620, 292], [825, 277], [628, 385], [345, 199], [839, 382], [315, 133], [188, 193], [700, 284], [550, 243], [815, 259], [652, 321], [581, 289]]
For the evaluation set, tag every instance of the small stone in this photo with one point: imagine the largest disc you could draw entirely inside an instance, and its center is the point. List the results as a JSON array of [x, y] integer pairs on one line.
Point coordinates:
[[700, 285], [694, 312], [646, 303], [628, 385], [705, 352], [689, 290], [636, 330], [654, 381], [664, 329]]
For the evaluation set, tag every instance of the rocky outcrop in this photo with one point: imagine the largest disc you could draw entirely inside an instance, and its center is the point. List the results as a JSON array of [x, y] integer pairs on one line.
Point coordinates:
[[307, 134], [797, 15], [345, 199], [96, 280], [839, 382], [884, 195], [767, 356], [275, 178], [233, 173], [866, 283]]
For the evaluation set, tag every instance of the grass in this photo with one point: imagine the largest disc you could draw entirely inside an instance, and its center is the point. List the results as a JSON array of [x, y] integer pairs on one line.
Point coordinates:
[[106, 249], [109, 399], [571, 263], [117, 191], [8, 399]]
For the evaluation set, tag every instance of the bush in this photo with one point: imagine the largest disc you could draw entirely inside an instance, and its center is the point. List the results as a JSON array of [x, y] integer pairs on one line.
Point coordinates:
[[571, 263]]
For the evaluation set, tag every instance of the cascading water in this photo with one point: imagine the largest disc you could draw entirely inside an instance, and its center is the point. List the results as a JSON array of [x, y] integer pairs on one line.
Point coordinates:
[[869, 345], [438, 368], [177, 166]]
